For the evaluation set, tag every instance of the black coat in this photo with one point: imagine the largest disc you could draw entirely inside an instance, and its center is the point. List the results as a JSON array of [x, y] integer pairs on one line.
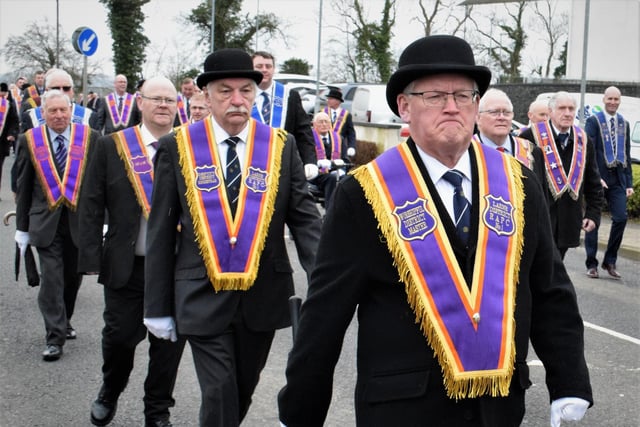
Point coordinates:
[[399, 380], [566, 213]]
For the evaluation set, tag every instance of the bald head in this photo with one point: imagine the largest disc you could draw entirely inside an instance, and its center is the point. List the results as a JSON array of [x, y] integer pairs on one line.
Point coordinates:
[[157, 103], [612, 98], [538, 111]]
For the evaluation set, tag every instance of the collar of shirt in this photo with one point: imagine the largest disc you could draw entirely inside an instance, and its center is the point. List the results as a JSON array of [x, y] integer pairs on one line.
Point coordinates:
[[609, 116], [148, 139], [436, 170], [558, 131], [221, 135], [489, 143]]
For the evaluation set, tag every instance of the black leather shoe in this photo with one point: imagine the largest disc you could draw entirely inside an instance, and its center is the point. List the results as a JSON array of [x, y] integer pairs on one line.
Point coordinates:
[[71, 333], [611, 269], [103, 410], [52, 353], [163, 422]]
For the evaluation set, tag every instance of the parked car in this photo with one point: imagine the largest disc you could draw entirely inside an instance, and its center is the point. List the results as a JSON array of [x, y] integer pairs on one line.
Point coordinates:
[[369, 105], [306, 86], [635, 142]]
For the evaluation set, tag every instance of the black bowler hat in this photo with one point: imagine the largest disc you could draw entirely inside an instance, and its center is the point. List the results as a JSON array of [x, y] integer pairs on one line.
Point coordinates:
[[228, 63], [435, 55], [335, 93], [4, 87]]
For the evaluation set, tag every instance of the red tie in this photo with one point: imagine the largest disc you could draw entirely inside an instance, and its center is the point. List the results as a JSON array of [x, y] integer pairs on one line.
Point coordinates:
[[500, 149]]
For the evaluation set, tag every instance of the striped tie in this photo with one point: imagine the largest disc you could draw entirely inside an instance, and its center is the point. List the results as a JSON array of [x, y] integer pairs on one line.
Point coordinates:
[[232, 180], [461, 206], [61, 153], [266, 108], [612, 130]]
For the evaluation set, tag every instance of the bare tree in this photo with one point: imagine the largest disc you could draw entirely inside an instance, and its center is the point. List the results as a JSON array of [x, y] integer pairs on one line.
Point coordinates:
[[434, 19], [506, 55], [554, 26]]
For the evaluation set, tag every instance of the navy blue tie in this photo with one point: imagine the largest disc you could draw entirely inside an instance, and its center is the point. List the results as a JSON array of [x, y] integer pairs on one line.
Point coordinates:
[[266, 108], [461, 206], [232, 180], [61, 153], [562, 139]]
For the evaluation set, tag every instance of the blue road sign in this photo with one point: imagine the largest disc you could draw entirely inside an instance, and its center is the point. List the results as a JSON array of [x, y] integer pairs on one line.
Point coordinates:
[[85, 41]]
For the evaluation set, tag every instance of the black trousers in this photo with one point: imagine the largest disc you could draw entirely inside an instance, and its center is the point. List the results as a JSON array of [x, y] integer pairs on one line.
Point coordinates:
[[123, 331]]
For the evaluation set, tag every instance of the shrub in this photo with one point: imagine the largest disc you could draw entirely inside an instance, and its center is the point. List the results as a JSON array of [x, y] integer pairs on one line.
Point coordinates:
[[633, 204]]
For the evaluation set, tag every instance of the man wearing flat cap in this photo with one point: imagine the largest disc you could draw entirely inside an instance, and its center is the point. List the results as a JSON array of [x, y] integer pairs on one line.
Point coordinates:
[[341, 120], [445, 251], [230, 183]]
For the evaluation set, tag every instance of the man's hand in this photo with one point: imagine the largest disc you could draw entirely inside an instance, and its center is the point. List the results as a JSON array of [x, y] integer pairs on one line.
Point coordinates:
[[567, 409], [338, 162], [22, 239], [324, 165], [351, 152], [310, 171], [588, 225], [162, 327]]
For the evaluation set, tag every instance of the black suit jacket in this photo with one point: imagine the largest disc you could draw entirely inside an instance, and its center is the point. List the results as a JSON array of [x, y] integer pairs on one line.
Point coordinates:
[[176, 282], [32, 210], [567, 213], [11, 128], [298, 124], [399, 380], [108, 192], [620, 172]]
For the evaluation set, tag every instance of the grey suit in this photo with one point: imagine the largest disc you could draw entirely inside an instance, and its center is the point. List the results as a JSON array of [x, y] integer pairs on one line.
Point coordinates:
[[233, 328], [54, 233]]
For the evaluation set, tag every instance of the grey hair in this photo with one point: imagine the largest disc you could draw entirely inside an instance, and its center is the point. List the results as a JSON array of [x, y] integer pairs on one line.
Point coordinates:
[[53, 94], [57, 72], [561, 96], [494, 93]]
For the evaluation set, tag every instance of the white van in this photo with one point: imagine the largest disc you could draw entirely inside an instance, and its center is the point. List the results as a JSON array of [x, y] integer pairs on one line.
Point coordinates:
[[370, 105]]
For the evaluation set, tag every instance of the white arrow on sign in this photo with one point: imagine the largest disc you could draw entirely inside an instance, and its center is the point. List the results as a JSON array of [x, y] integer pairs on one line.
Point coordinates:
[[86, 45]]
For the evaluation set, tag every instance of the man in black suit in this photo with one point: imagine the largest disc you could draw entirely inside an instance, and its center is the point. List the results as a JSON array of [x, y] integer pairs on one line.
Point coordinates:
[[51, 162], [117, 110], [610, 132], [574, 193], [279, 107], [446, 307], [118, 184], [341, 120], [9, 123], [223, 281]]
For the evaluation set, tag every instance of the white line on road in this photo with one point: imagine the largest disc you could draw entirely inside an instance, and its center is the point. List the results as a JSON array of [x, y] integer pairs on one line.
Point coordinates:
[[612, 333]]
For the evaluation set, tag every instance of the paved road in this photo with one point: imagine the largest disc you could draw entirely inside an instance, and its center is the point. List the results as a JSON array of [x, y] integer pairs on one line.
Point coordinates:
[[36, 393]]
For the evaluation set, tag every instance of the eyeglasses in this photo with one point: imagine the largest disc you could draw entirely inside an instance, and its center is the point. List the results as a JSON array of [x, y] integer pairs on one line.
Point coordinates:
[[64, 88], [435, 98], [158, 100], [497, 113]]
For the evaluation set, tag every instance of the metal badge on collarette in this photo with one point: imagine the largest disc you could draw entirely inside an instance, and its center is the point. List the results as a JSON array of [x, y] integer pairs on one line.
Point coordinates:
[[207, 178], [414, 220], [256, 180], [498, 215]]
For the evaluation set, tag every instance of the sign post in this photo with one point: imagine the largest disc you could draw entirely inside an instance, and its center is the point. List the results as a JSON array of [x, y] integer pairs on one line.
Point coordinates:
[[85, 42]]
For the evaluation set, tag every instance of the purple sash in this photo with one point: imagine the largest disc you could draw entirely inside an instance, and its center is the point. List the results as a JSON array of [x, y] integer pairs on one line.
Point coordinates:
[[117, 118], [182, 110], [557, 180], [614, 151], [334, 139], [340, 119], [4, 112], [471, 328], [132, 150], [230, 246]]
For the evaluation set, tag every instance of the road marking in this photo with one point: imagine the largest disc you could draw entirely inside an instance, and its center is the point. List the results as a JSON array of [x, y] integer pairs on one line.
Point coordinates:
[[612, 333]]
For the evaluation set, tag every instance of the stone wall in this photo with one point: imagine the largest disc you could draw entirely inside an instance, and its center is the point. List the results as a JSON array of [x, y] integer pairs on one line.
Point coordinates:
[[522, 94]]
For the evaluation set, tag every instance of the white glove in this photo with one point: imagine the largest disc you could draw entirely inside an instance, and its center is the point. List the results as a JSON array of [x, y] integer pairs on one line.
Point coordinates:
[[310, 171], [567, 409], [162, 327], [338, 162], [351, 152], [22, 239]]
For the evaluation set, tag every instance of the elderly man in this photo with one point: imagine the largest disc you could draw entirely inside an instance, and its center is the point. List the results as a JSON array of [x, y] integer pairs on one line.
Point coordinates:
[[443, 246], [610, 131], [538, 111], [574, 192], [230, 183], [494, 130], [50, 169], [119, 181], [341, 120]]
